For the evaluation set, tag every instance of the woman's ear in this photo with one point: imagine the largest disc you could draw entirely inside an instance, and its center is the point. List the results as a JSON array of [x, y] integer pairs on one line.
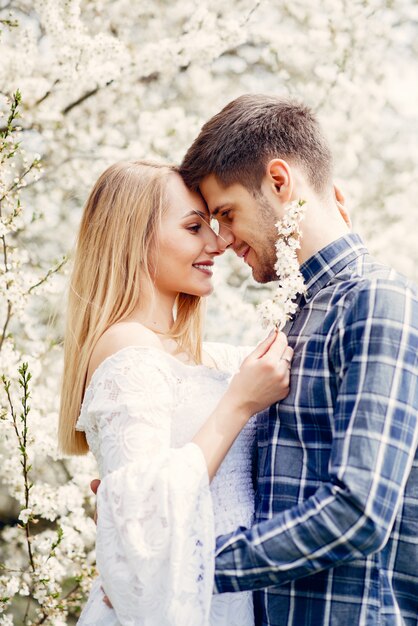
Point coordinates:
[[280, 176], [340, 202]]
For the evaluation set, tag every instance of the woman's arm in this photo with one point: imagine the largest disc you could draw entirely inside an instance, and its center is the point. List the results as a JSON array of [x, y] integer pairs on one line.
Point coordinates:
[[263, 379], [155, 529]]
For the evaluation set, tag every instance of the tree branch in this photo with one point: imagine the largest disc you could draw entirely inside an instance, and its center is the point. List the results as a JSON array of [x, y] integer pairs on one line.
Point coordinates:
[[5, 325], [19, 179], [83, 98], [52, 270], [48, 93]]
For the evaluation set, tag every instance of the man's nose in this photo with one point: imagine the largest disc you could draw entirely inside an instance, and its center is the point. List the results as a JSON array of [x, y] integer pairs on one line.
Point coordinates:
[[225, 237]]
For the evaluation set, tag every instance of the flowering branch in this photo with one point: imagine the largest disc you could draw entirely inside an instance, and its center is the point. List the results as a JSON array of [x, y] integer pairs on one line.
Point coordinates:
[[22, 437], [42, 588], [7, 150], [18, 181], [50, 272], [13, 115], [7, 285], [280, 308], [7, 22]]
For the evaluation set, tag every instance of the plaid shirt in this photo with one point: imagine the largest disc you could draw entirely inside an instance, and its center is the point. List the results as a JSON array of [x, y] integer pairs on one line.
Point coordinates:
[[335, 538]]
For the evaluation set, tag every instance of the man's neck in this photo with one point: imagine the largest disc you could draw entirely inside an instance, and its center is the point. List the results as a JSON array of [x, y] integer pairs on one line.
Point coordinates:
[[320, 227]]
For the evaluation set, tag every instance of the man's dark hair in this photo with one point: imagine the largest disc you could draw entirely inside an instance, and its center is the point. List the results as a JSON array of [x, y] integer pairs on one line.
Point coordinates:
[[237, 143]]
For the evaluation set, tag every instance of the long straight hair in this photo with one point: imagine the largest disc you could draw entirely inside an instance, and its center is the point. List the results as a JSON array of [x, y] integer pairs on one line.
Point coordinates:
[[118, 231]]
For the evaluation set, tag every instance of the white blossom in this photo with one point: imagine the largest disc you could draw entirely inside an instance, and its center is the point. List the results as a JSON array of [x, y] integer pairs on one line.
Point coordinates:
[[24, 515], [278, 309]]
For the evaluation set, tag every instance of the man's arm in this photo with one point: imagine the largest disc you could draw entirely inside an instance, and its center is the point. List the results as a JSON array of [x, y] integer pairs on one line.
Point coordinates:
[[374, 443]]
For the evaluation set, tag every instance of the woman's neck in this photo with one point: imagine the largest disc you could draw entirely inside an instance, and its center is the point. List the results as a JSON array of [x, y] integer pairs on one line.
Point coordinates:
[[156, 314]]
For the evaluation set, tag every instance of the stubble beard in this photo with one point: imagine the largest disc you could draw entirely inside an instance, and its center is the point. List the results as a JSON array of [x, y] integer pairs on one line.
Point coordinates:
[[264, 270]]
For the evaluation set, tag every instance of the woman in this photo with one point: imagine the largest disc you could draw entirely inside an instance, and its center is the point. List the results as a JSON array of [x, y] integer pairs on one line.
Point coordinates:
[[159, 412]]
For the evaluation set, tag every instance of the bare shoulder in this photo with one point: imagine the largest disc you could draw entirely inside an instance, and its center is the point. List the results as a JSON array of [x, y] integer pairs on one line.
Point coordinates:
[[120, 336]]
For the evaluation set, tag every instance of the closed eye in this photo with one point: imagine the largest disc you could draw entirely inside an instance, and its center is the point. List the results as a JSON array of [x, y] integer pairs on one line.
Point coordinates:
[[194, 228]]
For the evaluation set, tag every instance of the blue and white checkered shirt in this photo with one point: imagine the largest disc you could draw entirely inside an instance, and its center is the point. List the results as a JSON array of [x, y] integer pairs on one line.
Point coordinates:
[[335, 538]]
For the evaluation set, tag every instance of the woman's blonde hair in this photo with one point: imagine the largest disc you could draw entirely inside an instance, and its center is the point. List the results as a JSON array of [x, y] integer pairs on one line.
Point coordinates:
[[118, 232]]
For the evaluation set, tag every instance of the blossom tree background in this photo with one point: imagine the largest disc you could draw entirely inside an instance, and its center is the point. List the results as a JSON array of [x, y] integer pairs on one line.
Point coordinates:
[[84, 83]]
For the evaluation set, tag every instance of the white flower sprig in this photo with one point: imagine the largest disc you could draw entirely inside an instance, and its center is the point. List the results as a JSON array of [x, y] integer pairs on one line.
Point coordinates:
[[281, 306]]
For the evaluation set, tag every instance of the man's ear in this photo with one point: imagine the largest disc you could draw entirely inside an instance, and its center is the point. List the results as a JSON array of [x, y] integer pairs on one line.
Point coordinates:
[[280, 177], [340, 201]]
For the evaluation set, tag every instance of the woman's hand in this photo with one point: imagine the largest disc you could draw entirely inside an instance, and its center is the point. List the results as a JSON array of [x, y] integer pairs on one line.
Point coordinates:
[[264, 376], [263, 379]]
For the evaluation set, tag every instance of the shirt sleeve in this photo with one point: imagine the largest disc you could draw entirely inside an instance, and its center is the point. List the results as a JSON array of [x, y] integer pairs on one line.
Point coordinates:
[[155, 531], [375, 433]]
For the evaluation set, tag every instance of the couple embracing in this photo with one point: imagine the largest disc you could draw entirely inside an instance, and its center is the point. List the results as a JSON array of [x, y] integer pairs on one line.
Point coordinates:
[[275, 486]]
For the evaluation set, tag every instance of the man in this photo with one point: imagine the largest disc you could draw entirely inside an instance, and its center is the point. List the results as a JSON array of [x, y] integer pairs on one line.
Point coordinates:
[[335, 539]]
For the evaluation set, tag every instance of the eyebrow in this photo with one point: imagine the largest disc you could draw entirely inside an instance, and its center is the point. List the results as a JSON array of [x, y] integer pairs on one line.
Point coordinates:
[[194, 212]]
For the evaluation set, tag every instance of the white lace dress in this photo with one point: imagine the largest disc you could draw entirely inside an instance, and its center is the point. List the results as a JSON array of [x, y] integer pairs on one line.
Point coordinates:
[[157, 515]]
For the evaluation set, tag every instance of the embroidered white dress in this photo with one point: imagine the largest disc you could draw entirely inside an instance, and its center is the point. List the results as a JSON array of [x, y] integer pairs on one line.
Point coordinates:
[[158, 518]]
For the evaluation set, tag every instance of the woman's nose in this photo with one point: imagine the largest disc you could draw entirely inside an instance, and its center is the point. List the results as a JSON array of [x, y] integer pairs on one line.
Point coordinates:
[[212, 243], [225, 237]]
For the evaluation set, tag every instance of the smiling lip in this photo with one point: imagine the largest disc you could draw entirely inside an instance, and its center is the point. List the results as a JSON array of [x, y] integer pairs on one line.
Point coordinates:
[[206, 267], [244, 256]]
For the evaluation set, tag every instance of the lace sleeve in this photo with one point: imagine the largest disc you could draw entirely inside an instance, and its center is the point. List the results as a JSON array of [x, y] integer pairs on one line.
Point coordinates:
[[155, 532]]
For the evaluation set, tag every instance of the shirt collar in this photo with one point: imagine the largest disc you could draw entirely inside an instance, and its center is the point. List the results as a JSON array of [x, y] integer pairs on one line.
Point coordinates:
[[320, 268]]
